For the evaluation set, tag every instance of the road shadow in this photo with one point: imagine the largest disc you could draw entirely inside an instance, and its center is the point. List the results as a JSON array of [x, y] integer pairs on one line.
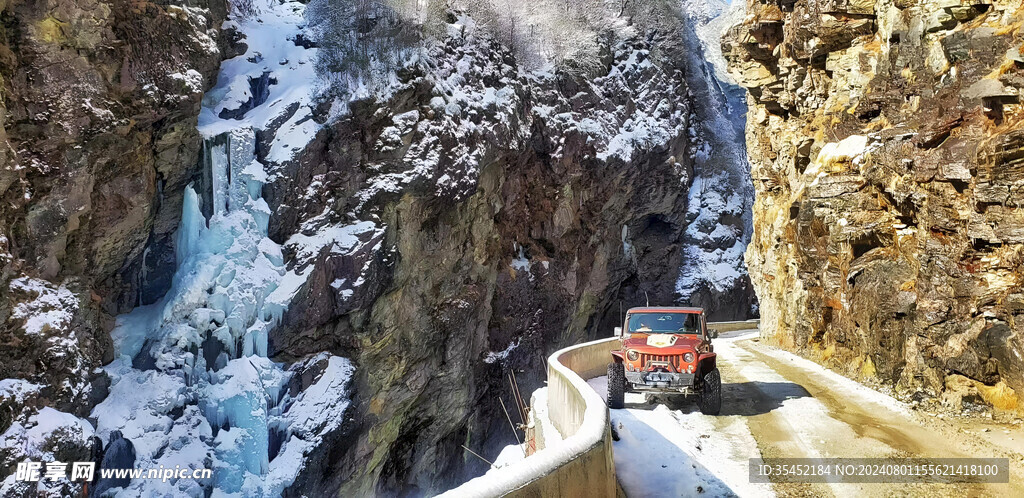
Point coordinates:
[[757, 398], [649, 464], [745, 399]]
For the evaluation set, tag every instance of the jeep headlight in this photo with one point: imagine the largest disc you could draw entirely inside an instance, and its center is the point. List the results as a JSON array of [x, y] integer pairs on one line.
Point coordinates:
[[632, 355], [688, 357]]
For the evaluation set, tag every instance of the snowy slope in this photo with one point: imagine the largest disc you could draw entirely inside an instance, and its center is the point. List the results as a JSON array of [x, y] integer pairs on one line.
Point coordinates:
[[711, 18]]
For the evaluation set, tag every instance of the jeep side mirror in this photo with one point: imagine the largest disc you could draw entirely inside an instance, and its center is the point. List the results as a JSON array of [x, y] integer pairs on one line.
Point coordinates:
[[618, 332], [713, 333]]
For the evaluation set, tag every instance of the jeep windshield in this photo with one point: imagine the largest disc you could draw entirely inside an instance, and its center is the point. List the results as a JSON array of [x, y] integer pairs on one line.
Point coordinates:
[[664, 323]]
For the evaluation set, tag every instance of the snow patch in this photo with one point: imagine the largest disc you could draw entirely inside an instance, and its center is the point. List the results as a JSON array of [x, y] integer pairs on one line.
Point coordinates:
[[690, 450], [341, 239], [275, 65], [18, 390], [192, 80], [495, 356], [44, 432], [320, 409], [662, 452], [845, 150], [521, 262], [49, 309]]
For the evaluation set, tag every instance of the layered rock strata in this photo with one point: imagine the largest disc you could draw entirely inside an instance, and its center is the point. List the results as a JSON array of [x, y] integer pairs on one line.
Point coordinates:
[[885, 139]]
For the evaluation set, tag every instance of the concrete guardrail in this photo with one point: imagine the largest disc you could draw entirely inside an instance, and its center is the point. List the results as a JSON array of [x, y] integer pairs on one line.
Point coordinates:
[[731, 326], [582, 464]]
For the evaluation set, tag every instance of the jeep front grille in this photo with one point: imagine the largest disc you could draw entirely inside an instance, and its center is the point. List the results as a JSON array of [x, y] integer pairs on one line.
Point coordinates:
[[674, 360]]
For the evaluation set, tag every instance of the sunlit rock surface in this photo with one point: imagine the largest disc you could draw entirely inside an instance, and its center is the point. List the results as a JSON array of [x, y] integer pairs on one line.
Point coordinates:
[[885, 140]]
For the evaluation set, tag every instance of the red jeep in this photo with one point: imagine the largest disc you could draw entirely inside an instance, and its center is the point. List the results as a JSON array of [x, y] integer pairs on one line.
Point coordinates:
[[665, 350]]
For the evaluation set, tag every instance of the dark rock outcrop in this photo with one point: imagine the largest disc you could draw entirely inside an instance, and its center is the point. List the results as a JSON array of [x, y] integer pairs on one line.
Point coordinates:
[[885, 140], [119, 454]]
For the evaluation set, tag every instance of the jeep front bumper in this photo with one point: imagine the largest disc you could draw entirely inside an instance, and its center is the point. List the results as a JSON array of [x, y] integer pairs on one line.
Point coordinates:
[[659, 380]]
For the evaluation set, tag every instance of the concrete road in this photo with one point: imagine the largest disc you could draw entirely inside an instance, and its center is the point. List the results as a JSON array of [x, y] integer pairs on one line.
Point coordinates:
[[776, 404]]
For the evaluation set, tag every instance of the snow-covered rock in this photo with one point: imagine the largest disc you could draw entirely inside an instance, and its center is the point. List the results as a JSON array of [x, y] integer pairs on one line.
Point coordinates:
[[494, 196]]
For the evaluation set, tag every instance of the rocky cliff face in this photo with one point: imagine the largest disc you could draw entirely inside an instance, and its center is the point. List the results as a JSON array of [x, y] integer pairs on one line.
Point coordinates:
[[885, 142], [514, 212], [99, 105]]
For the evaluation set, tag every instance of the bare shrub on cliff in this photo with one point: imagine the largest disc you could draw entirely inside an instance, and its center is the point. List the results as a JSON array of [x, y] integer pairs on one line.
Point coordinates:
[[540, 32], [565, 33], [243, 8], [363, 42]]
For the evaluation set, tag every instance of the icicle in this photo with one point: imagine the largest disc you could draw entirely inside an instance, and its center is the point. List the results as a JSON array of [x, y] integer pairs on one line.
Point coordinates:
[[191, 227], [256, 340], [261, 212], [255, 178], [221, 301], [241, 155], [219, 162], [142, 274]]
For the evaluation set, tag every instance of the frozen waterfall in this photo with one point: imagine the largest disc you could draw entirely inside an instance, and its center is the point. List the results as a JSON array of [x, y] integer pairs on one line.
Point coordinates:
[[207, 338], [192, 385]]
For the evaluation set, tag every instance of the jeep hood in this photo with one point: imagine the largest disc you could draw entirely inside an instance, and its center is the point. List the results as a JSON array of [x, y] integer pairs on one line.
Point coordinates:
[[662, 344]]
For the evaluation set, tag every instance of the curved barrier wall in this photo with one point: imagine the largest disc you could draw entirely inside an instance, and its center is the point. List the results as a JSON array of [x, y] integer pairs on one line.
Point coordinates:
[[582, 464]]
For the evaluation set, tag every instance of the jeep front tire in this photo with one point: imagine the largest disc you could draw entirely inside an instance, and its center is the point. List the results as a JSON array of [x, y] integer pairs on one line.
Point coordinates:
[[616, 386], [710, 401]]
